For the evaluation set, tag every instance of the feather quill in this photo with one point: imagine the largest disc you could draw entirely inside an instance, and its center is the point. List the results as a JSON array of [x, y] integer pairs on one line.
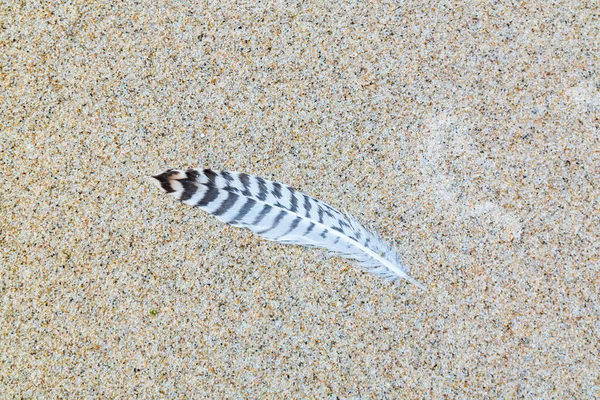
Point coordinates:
[[279, 213]]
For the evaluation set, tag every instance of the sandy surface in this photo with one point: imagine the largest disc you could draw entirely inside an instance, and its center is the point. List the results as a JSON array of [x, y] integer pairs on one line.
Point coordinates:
[[468, 135]]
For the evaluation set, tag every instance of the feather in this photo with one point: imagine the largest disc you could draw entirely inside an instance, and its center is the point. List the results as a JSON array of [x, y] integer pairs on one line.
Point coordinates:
[[279, 213]]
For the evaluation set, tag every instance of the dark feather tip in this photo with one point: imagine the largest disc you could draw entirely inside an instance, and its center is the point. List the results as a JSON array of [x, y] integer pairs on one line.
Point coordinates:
[[163, 181]]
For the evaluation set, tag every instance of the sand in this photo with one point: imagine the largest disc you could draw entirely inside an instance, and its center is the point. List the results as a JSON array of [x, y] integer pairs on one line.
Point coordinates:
[[466, 134]]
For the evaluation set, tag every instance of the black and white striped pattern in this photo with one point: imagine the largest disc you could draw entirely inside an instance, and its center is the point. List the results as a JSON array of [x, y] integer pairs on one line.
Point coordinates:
[[280, 213]]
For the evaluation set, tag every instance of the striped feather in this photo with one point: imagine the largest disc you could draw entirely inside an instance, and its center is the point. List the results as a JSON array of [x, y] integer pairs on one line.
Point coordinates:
[[279, 213]]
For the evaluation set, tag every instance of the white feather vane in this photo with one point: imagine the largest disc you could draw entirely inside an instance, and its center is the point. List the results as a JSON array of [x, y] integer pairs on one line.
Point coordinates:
[[279, 213]]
